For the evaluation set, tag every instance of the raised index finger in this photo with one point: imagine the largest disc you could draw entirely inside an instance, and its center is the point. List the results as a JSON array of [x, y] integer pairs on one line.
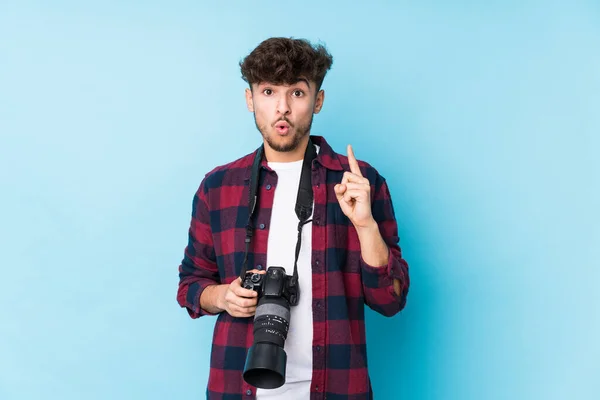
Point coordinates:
[[354, 168]]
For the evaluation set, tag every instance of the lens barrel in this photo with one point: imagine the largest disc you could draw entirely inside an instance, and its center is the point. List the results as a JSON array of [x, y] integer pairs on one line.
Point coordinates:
[[266, 359]]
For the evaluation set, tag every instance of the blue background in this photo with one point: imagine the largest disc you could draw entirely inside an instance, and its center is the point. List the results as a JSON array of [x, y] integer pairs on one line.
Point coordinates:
[[484, 118]]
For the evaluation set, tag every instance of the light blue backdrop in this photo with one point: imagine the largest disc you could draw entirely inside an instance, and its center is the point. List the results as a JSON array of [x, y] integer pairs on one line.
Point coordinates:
[[483, 118]]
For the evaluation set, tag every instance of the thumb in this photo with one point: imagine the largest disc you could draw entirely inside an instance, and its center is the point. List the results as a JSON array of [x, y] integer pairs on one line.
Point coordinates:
[[339, 190]]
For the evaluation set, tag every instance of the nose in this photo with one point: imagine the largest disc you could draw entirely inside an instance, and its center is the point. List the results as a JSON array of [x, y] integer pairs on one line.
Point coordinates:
[[283, 107]]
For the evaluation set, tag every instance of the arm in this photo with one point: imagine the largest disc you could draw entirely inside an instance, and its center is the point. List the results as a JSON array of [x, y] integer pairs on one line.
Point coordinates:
[[384, 272], [198, 270], [374, 251], [200, 289]]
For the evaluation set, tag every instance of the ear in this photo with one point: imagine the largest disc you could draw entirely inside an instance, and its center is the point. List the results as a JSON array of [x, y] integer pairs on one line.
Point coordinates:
[[249, 102], [319, 101]]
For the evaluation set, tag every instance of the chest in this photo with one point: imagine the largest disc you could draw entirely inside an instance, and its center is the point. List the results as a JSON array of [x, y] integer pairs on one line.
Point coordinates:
[[274, 217]]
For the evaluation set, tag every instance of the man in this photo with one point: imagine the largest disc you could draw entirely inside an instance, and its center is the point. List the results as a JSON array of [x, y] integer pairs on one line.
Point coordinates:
[[348, 257]]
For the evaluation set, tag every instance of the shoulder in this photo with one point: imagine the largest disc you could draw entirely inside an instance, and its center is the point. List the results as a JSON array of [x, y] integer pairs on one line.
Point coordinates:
[[232, 174]]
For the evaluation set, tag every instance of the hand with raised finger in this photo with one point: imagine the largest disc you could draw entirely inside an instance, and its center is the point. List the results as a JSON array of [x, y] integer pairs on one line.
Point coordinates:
[[354, 194], [238, 301]]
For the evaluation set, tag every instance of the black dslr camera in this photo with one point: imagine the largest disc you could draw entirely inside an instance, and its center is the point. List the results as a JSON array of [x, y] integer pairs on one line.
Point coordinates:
[[275, 283], [266, 359]]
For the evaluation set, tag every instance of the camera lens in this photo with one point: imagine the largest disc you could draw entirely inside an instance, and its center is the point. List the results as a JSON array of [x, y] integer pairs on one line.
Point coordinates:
[[266, 360]]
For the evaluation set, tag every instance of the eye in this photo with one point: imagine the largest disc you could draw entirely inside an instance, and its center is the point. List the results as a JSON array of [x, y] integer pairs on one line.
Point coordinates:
[[268, 92], [298, 93]]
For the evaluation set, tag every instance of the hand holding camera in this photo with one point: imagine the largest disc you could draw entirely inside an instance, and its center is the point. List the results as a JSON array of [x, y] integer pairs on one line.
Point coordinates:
[[238, 301]]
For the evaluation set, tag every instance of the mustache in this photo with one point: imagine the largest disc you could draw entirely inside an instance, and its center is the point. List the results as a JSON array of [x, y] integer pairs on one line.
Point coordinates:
[[285, 120]]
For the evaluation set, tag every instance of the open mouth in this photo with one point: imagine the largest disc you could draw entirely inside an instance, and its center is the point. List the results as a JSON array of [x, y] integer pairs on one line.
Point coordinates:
[[282, 127]]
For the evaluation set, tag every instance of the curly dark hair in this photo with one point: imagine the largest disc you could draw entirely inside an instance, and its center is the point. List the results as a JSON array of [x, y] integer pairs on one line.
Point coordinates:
[[285, 60]]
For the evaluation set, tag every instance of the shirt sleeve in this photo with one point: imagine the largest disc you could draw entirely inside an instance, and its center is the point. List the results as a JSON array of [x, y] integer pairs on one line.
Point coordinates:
[[198, 268], [378, 280]]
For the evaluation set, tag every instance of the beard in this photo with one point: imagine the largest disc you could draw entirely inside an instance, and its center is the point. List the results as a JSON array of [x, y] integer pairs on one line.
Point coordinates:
[[293, 139]]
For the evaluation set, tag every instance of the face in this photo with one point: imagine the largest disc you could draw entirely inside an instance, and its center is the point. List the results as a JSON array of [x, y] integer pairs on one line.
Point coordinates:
[[283, 113]]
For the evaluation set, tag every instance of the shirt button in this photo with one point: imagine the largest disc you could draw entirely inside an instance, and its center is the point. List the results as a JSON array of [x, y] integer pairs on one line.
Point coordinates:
[[318, 304], [268, 187], [262, 226], [318, 348], [317, 262], [317, 387], [248, 392], [259, 267]]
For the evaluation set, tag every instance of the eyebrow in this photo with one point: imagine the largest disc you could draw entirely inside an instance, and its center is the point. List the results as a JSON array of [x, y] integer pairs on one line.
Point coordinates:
[[263, 84], [305, 81]]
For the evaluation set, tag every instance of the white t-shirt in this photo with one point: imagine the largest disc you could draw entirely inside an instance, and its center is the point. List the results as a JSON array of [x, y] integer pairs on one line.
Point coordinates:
[[283, 234]]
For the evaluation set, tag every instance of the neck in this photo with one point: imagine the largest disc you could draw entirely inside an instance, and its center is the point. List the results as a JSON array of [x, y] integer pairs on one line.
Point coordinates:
[[288, 156]]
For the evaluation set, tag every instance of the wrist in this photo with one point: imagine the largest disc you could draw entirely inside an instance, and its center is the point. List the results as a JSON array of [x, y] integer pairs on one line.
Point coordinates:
[[219, 296], [211, 299], [373, 248], [368, 228]]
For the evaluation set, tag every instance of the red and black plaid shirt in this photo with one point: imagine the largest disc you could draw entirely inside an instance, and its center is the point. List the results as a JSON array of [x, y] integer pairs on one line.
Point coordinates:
[[342, 283]]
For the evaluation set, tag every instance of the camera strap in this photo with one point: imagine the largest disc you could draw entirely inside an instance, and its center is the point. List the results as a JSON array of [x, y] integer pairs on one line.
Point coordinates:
[[304, 202]]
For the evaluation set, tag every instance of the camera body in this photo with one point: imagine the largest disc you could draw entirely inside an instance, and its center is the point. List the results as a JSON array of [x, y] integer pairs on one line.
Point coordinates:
[[274, 284]]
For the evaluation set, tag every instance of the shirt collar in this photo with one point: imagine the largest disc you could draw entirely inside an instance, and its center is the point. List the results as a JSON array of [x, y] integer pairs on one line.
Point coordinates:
[[327, 157]]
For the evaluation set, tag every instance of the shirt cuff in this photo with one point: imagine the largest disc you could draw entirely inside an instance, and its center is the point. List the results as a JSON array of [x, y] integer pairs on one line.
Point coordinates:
[[195, 291], [376, 277]]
